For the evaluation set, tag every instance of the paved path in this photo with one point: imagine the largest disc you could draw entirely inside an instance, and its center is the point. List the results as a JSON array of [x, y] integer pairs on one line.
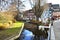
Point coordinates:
[[56, 26], [52, 33]]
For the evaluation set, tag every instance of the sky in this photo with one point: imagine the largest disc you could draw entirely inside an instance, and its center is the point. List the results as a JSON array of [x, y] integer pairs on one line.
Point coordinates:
[[27, 4], [54, 1]]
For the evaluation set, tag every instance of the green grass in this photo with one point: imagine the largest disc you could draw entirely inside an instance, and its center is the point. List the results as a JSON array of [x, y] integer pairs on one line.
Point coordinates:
[[8, 33], [11, 31], [17, 24]]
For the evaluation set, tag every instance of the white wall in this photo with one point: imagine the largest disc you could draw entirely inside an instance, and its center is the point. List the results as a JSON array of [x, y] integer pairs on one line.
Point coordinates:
[[53, 1]]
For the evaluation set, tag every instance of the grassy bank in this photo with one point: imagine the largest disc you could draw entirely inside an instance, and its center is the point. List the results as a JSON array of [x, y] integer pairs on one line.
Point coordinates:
[[11, 32]]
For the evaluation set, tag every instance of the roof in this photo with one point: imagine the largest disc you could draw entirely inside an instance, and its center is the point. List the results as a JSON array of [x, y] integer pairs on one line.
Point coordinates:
[[56, 13], [55, 6]]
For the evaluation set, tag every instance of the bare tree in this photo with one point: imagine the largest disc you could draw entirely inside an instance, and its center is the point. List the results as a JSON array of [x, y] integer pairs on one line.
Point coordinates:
[[38, 9]]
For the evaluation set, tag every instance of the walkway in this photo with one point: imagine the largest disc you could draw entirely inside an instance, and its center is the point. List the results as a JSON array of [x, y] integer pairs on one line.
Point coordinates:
[[56, 26]]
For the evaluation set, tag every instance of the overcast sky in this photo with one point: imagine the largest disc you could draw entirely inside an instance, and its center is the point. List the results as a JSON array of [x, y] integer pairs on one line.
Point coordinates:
[[27, 4], [54, 1]]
